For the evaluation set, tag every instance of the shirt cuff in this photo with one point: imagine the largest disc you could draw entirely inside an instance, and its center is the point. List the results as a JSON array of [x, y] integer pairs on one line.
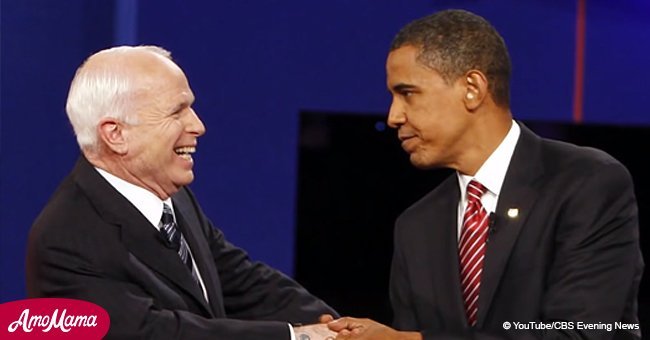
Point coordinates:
[[293, 334]]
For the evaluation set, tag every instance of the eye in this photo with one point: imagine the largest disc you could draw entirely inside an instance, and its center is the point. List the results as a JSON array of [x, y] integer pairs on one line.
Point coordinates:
[[177, 113], [406, 93], [403, 90]]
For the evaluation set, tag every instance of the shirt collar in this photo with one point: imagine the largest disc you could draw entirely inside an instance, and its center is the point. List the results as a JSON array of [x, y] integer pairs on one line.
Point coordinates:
[[149, 205], [492, 173]]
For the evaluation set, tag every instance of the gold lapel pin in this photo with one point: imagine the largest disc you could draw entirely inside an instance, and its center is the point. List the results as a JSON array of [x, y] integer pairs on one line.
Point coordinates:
[[513, 212]]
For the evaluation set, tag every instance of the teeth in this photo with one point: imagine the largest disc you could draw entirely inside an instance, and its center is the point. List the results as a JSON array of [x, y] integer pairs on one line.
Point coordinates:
[[185, 150], [187, 157]]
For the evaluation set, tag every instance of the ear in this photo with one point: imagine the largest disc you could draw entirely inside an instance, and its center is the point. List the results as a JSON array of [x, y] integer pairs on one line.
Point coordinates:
[[111, 133], [476, 89]]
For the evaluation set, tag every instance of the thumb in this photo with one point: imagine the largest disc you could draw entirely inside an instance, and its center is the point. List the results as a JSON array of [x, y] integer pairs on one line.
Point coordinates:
[[341, 324], [325, 318]]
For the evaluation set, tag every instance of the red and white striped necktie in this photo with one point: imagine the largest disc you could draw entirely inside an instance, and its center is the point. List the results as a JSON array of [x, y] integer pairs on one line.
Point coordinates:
[[472, 248]]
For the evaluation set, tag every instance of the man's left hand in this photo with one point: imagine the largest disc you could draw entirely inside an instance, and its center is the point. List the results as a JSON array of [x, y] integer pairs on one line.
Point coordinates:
[[314, 332]]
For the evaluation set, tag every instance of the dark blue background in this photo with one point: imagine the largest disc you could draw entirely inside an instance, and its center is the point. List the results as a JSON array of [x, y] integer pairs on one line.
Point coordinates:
[[254, 65]]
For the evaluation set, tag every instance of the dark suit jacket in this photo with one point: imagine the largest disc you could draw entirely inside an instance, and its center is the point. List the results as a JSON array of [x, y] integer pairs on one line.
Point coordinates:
[[572, 254], [90, 243]]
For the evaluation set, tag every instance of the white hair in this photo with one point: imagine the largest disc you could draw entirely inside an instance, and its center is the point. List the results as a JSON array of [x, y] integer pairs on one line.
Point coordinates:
[[101, 92]]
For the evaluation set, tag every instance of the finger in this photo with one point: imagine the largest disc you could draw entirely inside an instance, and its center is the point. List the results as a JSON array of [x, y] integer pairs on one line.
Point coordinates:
[[341, 324], [325, 318], [343, 335]]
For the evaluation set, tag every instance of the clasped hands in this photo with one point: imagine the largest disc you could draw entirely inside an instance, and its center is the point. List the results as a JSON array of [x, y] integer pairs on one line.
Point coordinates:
[[350, 328]]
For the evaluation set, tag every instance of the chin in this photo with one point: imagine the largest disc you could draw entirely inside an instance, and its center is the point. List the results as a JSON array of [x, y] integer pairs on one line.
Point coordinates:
[[185, 179], [423, 164]]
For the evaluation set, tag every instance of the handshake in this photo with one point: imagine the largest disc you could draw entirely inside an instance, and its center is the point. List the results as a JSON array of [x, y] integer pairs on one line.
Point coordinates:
[[350, 328]]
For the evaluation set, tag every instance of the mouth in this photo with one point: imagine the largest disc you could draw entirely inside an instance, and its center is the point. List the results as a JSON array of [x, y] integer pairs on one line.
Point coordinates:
[[403, 134], [406, 141], [405, 137], [185, 152]]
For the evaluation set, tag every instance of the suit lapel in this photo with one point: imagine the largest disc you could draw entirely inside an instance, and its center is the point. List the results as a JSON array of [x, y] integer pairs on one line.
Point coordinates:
[[152, 251], [138, 235], [517, 197], [444, 215]]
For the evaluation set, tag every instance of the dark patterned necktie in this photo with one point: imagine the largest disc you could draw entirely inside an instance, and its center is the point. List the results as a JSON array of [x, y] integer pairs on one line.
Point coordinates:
[[472, 248], [175, 238]]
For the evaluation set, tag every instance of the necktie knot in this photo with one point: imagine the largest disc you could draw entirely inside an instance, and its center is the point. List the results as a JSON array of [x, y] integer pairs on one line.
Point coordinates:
[[475, 191], [167, 216], [168, 228]]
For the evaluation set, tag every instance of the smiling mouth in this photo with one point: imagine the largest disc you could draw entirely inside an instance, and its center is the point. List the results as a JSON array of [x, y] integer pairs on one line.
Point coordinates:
[[185, 152]]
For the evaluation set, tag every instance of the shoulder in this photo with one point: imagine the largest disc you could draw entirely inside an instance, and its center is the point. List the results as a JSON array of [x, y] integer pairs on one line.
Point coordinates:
[[565, 158], [550, 156], [67, 210], [71, 226]]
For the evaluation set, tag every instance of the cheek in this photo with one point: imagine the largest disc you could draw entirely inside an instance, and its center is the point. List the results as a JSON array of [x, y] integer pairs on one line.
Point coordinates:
[[170, 134], [176, 130], [426, 123]]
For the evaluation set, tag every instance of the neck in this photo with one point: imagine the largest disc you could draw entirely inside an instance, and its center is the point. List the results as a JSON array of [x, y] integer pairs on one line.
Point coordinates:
[[485, 136], [116, 167]]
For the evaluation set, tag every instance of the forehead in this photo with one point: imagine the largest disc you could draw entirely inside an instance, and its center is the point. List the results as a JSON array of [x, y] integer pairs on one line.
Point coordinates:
[[402, 56], [164, 80], [403, 67]]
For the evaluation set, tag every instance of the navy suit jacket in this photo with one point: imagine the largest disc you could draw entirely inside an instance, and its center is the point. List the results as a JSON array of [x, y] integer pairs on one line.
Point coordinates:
[[572, 253], [91, 243]]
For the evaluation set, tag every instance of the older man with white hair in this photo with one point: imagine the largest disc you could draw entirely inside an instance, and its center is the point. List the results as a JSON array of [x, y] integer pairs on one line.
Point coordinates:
[[123, 230]]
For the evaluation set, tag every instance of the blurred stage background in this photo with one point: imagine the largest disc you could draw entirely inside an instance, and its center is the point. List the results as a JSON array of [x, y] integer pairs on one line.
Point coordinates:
[[296, 166]]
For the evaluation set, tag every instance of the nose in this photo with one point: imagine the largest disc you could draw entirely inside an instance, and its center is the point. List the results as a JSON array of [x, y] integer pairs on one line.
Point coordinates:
[[195, 125], [396, 115]]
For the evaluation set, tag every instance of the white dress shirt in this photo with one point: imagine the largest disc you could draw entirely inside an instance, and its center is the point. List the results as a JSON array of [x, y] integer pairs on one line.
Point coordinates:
[[491, 174], [150, 205]]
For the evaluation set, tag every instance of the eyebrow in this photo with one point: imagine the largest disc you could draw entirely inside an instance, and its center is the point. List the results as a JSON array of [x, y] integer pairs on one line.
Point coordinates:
[[182, 105], [401, 87], [177, 108]]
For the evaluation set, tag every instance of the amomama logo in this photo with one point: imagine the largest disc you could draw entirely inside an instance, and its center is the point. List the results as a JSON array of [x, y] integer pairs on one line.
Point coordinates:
[[52, 318]]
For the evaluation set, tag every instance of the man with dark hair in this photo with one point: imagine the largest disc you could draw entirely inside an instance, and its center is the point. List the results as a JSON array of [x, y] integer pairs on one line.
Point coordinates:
[[530, 238], [124, 231], [456, 42]]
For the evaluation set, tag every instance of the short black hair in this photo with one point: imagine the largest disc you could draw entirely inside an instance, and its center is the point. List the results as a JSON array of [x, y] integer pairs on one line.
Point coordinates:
[[453, 42]]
